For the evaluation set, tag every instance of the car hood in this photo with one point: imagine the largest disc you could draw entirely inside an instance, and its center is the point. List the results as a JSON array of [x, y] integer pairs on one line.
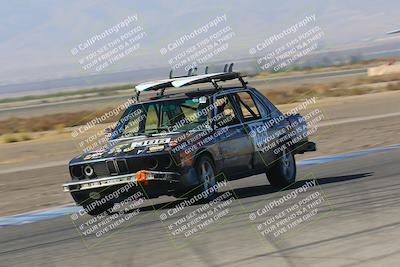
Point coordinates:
[[130, 146]]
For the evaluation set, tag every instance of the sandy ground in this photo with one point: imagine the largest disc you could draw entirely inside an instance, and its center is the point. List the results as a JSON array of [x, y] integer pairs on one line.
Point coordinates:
[[31, 172]]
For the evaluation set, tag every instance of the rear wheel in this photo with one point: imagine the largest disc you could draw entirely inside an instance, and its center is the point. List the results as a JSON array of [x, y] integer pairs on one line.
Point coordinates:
[[283, 171]]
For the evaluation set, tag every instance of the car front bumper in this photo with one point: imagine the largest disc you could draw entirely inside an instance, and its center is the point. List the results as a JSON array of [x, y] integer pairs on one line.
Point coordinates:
[[141, 177]]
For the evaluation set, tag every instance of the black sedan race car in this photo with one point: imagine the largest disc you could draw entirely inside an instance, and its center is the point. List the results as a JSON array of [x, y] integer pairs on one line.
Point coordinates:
[[186, 142]]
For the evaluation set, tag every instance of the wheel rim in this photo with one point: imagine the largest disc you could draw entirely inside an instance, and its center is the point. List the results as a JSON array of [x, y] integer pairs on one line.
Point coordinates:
[[207, 175], [287, 165], [285, 159]]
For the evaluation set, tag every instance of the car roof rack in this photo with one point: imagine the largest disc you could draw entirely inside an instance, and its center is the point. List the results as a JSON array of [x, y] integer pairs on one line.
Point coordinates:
[[190, 79]]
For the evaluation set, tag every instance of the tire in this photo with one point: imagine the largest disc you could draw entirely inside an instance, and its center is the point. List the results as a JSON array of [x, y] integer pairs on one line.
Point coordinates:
[[282, 172], [205, 170]]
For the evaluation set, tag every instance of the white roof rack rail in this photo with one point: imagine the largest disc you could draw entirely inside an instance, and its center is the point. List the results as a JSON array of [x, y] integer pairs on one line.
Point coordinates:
[[190, 79], [394, 32], [154, 85], [221, 76]]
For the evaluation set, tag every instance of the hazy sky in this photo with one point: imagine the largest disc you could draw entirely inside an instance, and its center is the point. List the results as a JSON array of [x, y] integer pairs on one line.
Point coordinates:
[[36, 37]]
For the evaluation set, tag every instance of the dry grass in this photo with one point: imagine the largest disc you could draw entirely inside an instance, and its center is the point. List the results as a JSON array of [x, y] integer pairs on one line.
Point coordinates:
[[99, 91], [319, 69], [282, 95], [336, 89], [60, 128], [13, 138], [56, 122], [347, 87], [25, 137], [10, 138], [394, 86], [371, 79]]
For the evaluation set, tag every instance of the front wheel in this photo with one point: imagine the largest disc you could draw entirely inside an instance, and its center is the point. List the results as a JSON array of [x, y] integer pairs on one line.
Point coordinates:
[[206, 173], [282, 172]]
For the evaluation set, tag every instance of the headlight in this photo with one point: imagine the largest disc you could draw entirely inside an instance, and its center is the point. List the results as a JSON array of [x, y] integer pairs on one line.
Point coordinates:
[[88, 171], [76, 171]]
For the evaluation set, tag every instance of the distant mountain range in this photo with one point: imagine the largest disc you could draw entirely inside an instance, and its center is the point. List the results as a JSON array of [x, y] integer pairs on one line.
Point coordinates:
[[36, 37]]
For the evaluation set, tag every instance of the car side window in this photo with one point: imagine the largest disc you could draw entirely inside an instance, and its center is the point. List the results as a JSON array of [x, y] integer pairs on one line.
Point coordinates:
[[264, 110], [225, 111], [247, 106]]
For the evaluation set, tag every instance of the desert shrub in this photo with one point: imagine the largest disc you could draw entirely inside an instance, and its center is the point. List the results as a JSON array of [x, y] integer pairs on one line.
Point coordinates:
[[25, 137], [393, 87], [10, 138]]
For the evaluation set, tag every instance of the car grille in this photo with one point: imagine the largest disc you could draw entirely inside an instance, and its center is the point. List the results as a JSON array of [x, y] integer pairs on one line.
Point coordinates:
[[100, 169], [117, 167], [125, 166]]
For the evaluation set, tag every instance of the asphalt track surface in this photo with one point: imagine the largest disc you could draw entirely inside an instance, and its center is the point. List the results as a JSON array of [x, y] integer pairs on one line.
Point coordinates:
[[357, 224]]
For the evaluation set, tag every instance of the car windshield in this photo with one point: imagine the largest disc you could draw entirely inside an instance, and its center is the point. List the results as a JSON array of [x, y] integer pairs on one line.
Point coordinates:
[[177, 115]]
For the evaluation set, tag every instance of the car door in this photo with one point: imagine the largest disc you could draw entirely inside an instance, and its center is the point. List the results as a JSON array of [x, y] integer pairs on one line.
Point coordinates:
[[234, 143], [258, 117]]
